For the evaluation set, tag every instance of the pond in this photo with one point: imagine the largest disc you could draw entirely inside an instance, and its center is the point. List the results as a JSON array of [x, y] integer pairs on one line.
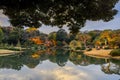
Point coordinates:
[[57, 65]]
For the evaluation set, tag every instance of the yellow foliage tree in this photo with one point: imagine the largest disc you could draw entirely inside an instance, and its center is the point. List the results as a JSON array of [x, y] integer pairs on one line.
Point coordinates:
[[31, 29]]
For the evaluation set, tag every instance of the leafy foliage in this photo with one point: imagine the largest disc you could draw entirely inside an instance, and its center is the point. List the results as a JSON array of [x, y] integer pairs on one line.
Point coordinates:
[[84, 38], [108, 38], [1, 35], [61, 35], [75, 44], [72, 13], [115, 52], [36, 40]]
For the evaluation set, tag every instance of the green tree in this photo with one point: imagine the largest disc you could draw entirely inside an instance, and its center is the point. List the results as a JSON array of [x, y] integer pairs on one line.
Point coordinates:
[[74, 44], [72, 13], [94, 34], [1, 35], [84, 38], [30, 33], [115, 40], [61, 35], [104, 38], [15, 36], [52, 36]]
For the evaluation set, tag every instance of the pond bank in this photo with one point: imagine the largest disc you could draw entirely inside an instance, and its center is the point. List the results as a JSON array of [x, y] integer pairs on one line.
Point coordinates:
[[4, 52], [100, 53]]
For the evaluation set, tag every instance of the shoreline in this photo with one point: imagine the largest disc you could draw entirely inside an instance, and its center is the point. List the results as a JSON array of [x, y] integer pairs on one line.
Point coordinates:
[[5, 51], [101, 54], [93, 53]]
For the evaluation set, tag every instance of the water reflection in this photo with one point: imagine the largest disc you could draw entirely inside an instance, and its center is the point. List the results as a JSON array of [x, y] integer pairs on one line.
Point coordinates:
[[58, 63], [110, 67]]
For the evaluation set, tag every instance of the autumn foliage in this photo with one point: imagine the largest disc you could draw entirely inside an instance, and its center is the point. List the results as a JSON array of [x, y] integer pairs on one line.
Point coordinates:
[[36, 40], [31, 29]]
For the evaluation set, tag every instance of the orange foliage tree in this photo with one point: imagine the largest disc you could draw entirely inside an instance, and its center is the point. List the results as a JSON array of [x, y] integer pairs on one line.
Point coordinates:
[[37, 40]]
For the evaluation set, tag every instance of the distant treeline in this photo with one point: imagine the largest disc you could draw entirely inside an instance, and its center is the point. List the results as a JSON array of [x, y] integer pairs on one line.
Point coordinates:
[[26, 37]]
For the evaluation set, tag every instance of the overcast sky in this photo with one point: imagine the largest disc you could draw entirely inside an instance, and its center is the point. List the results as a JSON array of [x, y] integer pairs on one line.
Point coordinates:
[[90, 25]]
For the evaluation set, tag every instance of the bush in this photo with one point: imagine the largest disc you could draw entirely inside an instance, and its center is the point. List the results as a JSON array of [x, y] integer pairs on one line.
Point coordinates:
[[78, 48], [106, 47], [88, 49], [83, 48], [115, 52]]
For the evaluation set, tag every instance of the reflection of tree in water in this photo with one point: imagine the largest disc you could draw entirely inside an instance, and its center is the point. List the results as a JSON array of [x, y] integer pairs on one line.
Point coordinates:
[[17, 61], [61, 57], [11, 62], [29, 61], [111, 67], [107, 66], [58, 56], [96, 61], [77, 58], [83, 60]]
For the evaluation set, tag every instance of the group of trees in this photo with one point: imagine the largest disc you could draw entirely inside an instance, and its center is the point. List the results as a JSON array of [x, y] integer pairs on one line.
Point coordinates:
[[105, 39], [15, 35], [71, 13], [109, 38]]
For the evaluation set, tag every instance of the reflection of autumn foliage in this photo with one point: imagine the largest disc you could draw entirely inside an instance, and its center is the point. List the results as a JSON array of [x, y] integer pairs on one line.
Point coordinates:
[[75, 58], [37, 54], [50, 51], [37, 40]]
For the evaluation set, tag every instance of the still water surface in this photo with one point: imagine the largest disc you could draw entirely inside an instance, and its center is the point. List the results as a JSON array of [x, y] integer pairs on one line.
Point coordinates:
[[57, 65]]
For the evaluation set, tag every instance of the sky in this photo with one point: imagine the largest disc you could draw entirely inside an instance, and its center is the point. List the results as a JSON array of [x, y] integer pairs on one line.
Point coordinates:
[[90, 25], [100, 25], [50, 71]]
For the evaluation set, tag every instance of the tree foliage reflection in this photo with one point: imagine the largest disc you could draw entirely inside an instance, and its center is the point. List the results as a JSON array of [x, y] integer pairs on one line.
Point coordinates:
[[60, 57]]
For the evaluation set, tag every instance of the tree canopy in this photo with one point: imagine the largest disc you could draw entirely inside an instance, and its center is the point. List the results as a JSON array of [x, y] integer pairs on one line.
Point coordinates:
[[72, 13]]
